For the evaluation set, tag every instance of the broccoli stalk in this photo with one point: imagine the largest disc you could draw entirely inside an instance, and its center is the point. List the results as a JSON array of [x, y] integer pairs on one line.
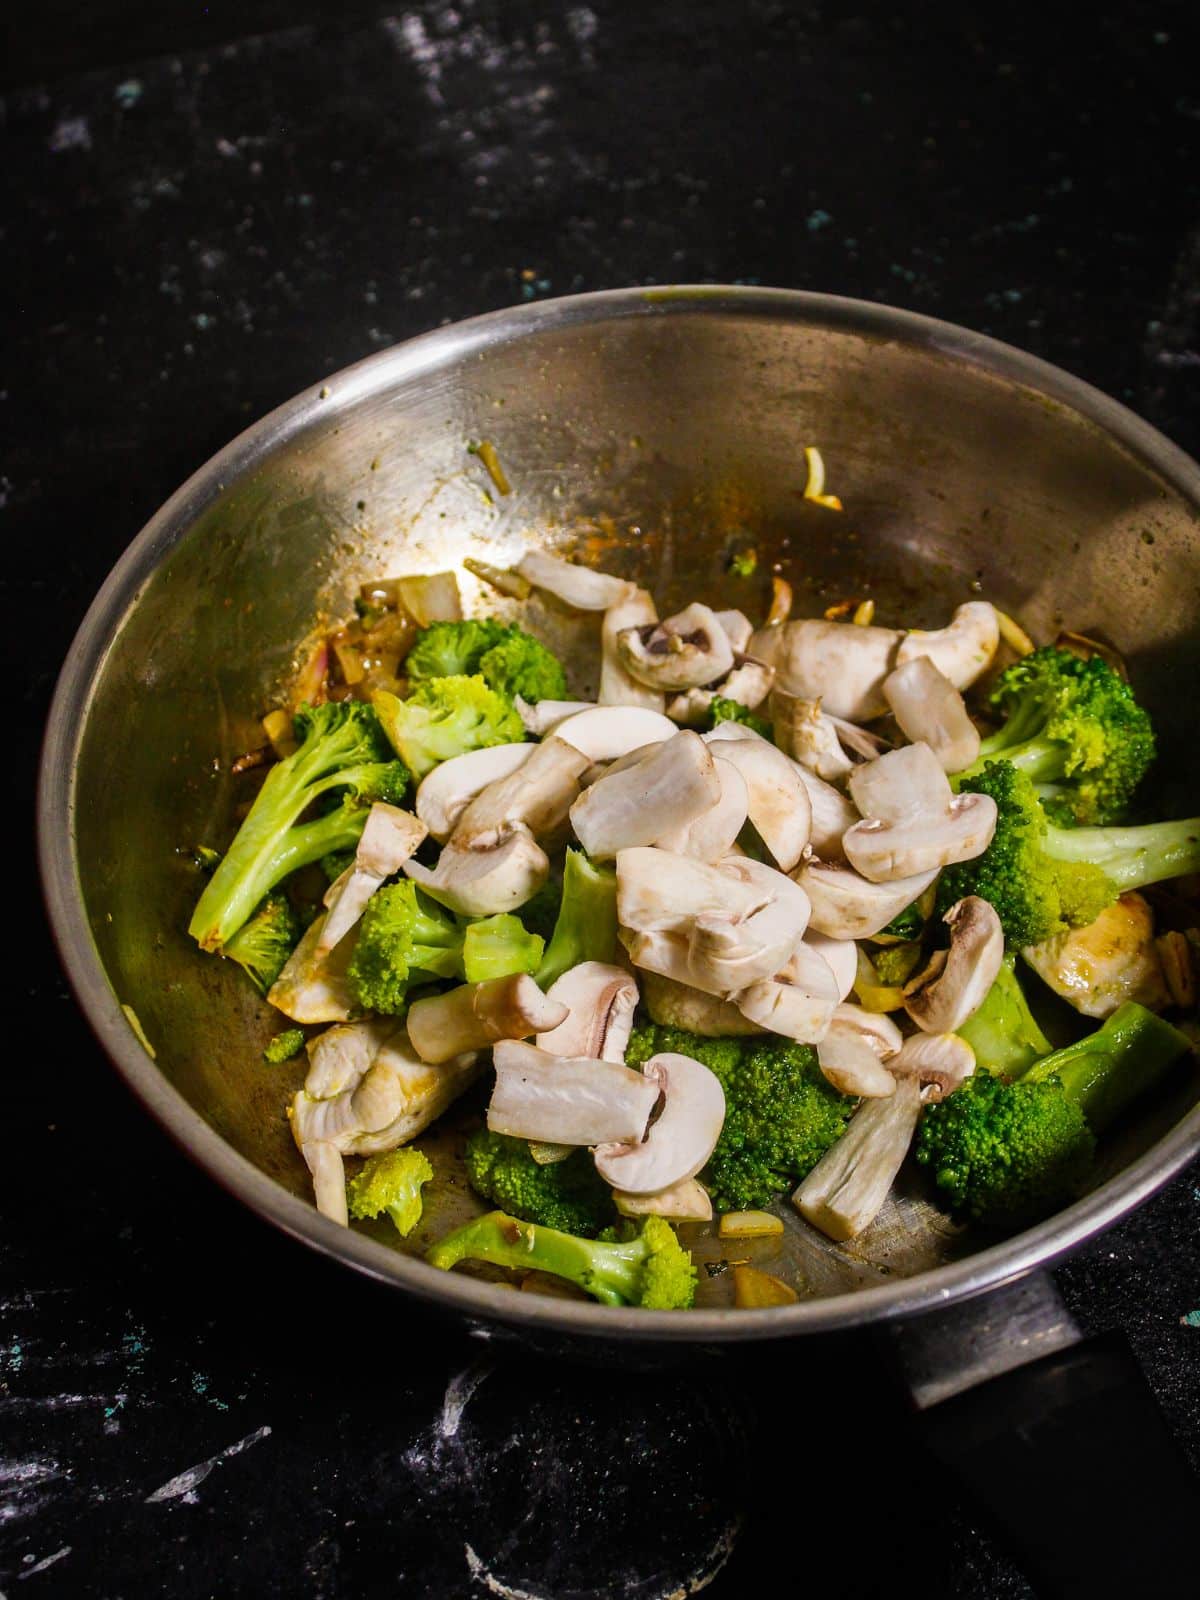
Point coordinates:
[[1130, 858], [391, 1183], [446, 717], [495, 947], [507, 658], [586, 926], [342, 748], [569, 1194], [1005, 1038], [1008, 1153], [651, 1270], [262, 945], [1075, 730], [284, 1046]]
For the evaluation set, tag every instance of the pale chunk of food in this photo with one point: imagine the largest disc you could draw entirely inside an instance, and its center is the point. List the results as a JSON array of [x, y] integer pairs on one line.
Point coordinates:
[[1099, 967], [840, 664]]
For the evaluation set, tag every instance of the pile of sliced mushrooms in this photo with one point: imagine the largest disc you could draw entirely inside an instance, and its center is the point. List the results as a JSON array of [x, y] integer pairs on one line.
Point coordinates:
[[854, 828]]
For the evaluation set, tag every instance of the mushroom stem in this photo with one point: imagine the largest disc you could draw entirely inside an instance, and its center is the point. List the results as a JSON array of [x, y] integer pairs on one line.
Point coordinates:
[[559, 1100], [635, 609], [579, 587], [838, 663], [930, 710], [477, 1014], [963, 650], [845, 1191]]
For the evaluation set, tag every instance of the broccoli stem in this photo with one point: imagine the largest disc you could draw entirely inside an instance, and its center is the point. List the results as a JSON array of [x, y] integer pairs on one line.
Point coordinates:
[[1003, 1034], [609, 1272], [586, 929], [1131, 857], [1104, 1072]]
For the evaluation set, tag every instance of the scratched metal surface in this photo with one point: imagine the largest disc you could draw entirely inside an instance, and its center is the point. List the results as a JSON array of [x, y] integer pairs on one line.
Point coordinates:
[[194, 238]]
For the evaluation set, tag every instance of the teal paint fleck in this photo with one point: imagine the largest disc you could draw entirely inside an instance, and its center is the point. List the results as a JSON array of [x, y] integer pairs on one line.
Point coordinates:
[[817, 220], [1192, 1320], [128, 94]]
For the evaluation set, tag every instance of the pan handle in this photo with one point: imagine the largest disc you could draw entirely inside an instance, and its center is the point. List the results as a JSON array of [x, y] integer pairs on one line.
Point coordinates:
[[1059, 1437]]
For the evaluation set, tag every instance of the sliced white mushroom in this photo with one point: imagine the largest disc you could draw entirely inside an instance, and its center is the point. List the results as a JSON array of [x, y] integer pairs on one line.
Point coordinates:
[[662, 953], [537, 796], [845, 1191], [312, 986], [672, 785], [543, 718], [937, 1062], [874, 1028], [600, 1001], [635, 609], [579, 587], [680, 1005], [845, 905], [955, 982], [839, 663], [713, 834], [798, 1002], [682, 1138], [749, 682], [852, 1066], [338, 1058], [737, 627], [605, 733], [658, 891], [728, 951], [497, 872], [687, 1201], [324, 1162], [963, 650], [446, 792], [930, 710], [841, 954], [387, 841], [477, 1014], [561, 1100], [1112, 960], [860, 741], [777, 799], [832, 814], [685, 651], [902, 784], [809, 736], [885, 852]]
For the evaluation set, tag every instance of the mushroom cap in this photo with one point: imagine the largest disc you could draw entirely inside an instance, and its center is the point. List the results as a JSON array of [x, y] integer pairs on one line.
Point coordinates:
[[738, 628], [688, 1201], [904, 783], [658, 891], [954, 984], [635, 609], [853, 1067], [579, 587], [839, 663], [685, 651], [845, 905], [809, 735], [544, 716], [680, 1140], [537, 795], [600, 1001], [832, 814], [604, 733], [489, 877], [778, 803], [713, 834], [963, 650], [930, 710], [798, 1002], [560, 1100], [841, 956], [885, 852], [673, 784], [446, 792], [939, 1062], [874, 1028]]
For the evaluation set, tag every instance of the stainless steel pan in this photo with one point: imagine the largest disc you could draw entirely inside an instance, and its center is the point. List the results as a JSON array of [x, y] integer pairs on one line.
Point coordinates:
[[645, 430]]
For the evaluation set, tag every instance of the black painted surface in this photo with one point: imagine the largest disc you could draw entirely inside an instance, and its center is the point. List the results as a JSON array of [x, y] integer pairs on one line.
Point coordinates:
[[189, 239]]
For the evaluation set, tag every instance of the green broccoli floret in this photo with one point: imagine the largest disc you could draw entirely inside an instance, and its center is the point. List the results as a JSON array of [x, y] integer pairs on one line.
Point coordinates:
[[1034, 895], [403, 935], [446, 717], [284, 1046], [1003, 1034], [586, 927], [908, 924], [744, 563], [722, 710], [335, 863], [651, 1270], [781, 1113], [570, 1194], [1009, 1153], [506, 657], [494, 947], [391, 1183], [342, 749], [1075, 729], [262, 945]]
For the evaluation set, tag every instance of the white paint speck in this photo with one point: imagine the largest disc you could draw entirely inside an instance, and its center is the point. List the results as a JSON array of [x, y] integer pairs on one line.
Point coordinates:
[[181, 1486], [458, 1393], [48, 1561], [71, 133]]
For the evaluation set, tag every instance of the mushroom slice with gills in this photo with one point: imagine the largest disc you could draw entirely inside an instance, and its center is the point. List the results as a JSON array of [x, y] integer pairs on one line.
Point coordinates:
[[737, 627], [846, 1190], [685, 651], [809, 736], [679, 1005], [937, 1062], [1112, 960], [636, 609], [931, 711], [904, 783], [605, 733], [860, 741], [845, 905], [477, 1014], [545, 716], [841, 955], [682, 1137], [600, 1001], [579, 587], [672, 785], [565, 1100], [778, 803], [338, 1058], [888, 851], [798, 1002], [658, 891], [713, 834], [496, 872], [446, 792], [853, 1067], [955, 982], [748, 683], [728, 952], [312, 986], [874, 1028], [832, 814], [537, 795], [963, 650], [387, 841], [686, 1201], [840, 664]]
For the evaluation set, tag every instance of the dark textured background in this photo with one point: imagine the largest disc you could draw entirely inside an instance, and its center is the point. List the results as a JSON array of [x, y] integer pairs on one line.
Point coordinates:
[[197, 224]]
